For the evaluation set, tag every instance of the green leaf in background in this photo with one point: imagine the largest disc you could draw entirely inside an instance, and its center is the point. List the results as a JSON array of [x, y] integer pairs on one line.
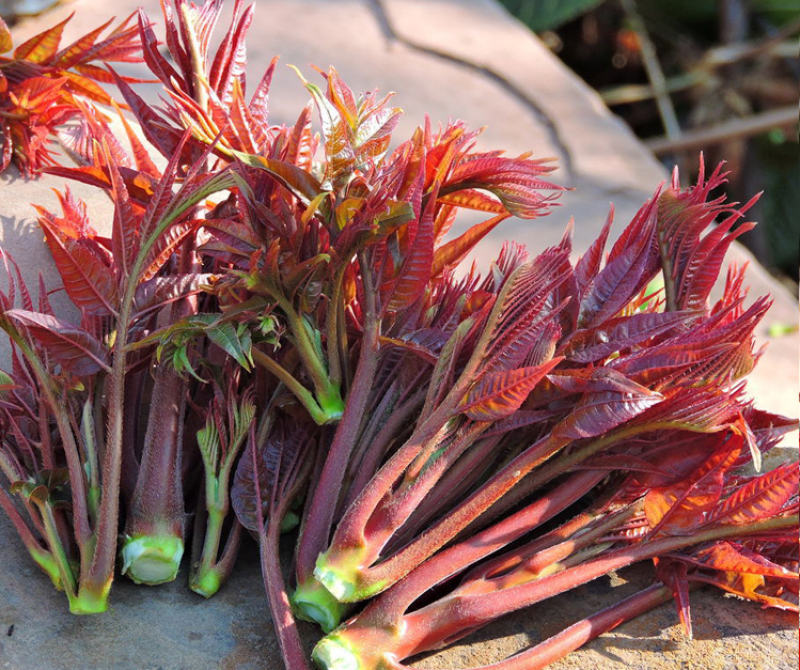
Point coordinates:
[[548, 14]]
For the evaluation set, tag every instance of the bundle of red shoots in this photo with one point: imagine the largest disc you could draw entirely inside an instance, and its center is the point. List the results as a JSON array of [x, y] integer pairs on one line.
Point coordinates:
[[282, 336]]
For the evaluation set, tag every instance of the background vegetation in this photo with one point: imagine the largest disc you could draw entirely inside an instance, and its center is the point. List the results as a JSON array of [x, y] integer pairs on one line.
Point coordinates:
[[730, 71]]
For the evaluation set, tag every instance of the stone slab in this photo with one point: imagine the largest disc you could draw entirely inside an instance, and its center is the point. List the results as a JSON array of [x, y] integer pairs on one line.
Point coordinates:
[[469, 60]]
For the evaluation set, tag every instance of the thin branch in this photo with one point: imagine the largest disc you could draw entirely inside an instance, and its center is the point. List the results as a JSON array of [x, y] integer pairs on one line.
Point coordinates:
[[654, 72], [782, 117]]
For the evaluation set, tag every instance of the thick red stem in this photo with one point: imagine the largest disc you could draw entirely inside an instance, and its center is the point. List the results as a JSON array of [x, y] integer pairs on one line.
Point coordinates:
[[319, 516], [445, 530], [578, 634], [395, 602], [429, 627], [158, 498], [294, 656]]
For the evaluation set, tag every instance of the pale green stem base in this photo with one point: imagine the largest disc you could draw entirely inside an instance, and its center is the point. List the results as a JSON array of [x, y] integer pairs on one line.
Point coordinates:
[[151, 560], [206, 583], [45, 560], [89, 602], [333, 654], [313, 602]]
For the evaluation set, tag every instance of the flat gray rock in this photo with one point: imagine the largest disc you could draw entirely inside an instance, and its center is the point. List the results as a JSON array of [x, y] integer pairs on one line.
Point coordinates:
[[469, 60]]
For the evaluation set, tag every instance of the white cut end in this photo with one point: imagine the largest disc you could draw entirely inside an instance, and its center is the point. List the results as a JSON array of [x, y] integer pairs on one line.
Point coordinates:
[[332, 654]]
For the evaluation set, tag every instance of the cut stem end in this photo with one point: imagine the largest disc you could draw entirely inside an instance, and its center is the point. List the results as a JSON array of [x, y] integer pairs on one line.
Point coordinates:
[[151, 559], [332, 653], [90, 601], [311, 601], [206, 583]]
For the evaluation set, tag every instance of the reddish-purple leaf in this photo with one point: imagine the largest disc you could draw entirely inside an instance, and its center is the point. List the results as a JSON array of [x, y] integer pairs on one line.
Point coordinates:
[[588, 266], [599, 413], [597, 380], [166, 245], [72, 347], [593, 344]]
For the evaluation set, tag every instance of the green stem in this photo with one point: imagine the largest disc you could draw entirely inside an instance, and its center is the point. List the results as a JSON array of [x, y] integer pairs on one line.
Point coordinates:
[[328, 393], [306, 398], [43, 558], [205, 579], [90, 449], [57, 552], [334, 361], [319, 517]]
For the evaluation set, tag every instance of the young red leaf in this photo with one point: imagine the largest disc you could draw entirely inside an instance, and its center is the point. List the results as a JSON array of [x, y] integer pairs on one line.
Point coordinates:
[[415, 272], [82, 263], [593, 344], [598, 413]]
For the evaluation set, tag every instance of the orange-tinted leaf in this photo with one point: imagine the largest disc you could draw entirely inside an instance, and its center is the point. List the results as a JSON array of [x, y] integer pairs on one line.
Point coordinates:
[[338, 147], [451, 253], [684, 505], [84, 86], [77, 50], [730, 557], [472, 199], [751, 587], [87, 278], [6, 42], [761, 497], [375, 133], [42, 46], [499, 394], [300, 147], [300, 183]]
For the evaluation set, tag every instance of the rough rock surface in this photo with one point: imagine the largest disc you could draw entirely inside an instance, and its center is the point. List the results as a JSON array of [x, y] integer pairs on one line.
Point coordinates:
[[465, 59]]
